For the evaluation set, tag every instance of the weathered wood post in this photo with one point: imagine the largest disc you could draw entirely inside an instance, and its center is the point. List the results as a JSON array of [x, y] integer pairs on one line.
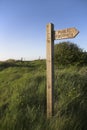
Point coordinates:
[[50, 68], [52, 35]]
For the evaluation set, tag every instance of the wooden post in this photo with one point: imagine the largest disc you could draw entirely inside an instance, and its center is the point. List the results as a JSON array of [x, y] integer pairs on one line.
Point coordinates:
[[52, 35], [50, 68]]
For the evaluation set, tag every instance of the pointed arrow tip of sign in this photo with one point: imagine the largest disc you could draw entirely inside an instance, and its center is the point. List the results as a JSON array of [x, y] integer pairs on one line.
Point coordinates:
[[75, 31]]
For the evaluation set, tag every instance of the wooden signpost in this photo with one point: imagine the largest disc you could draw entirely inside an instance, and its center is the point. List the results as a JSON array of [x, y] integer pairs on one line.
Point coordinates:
[[52, 35]]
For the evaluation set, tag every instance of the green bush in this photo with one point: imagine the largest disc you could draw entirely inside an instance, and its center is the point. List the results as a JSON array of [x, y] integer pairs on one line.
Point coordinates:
[[67, 53]]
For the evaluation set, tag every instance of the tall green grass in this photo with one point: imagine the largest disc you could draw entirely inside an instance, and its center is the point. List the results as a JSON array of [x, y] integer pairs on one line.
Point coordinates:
[[70, 99], [23, 97]]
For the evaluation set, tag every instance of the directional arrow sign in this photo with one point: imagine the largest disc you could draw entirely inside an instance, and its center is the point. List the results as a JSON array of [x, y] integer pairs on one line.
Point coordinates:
[[65, 33]]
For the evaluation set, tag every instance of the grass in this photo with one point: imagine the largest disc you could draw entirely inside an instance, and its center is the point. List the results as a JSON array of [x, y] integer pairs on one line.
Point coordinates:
[[23, 97]]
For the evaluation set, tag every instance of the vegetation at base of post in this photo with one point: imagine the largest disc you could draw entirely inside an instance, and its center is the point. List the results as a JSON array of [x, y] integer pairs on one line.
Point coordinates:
[[23, 96]]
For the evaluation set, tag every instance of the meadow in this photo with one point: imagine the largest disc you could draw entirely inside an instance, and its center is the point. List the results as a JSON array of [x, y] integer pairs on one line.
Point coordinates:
[[23, 96]]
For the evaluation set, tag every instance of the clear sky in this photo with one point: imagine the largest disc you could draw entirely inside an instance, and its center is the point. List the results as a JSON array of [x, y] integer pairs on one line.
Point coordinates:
[[23, 25]]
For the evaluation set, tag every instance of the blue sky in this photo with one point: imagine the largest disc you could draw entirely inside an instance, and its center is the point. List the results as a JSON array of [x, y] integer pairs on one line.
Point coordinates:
[[23, 25]]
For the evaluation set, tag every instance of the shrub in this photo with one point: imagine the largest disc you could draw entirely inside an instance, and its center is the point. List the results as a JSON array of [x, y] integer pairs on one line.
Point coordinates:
[[66, 53]]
